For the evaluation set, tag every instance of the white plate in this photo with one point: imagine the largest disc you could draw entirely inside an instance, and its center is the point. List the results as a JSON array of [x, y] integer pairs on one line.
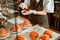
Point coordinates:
[[22, 29], [39, 30], [5, 36], [13, 20], [16, 32]]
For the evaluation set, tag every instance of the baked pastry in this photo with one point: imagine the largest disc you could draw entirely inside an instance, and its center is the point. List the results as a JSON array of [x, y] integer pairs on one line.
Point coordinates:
[[19, 37], [33, 35], [44, 37], [26, 24], [49, 32], [3, 32], [2, 19], [16, 28]]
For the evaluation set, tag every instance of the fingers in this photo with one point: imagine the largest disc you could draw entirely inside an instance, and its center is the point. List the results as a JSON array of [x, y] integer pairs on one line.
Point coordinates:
[[25, 12]]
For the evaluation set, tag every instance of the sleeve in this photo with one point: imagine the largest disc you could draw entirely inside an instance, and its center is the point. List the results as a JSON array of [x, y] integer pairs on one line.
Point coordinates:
[[27, 2], [49, 6]]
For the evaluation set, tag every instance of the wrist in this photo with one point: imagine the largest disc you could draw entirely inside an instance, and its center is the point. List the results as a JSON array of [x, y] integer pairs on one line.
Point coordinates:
[[32, 11], [41, 13]]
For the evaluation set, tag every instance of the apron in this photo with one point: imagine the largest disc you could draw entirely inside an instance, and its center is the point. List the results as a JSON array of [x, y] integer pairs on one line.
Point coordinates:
[[38, 19]]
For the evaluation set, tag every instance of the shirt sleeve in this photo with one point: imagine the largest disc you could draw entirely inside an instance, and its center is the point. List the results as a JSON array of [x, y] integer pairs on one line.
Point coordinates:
[[49, 5], [27, 2]]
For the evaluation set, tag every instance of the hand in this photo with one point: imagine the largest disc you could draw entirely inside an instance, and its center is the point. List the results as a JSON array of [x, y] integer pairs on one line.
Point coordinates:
[[24, 12]]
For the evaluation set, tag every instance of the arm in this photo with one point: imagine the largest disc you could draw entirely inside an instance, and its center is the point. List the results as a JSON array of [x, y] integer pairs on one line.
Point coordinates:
[[26, 4], [48, 7], [41, 12], [38, 12]]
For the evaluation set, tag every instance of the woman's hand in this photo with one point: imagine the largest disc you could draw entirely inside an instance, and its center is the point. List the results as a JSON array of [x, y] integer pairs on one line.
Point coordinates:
[[25, 12]]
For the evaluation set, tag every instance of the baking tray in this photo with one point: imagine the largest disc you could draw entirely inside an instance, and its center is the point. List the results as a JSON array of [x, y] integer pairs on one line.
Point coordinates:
[[58, 38], [36, 28]]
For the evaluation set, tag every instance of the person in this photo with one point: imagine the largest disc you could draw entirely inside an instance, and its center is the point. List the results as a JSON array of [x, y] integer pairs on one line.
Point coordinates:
[[38, 10], [20, 9]]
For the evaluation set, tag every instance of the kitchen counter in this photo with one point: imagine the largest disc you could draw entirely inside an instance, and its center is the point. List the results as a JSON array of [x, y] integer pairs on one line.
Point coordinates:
[[41, 25], [8, 25]]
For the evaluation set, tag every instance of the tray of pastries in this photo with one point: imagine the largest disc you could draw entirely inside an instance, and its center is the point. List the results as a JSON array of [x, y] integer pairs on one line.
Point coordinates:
[[35, 33]]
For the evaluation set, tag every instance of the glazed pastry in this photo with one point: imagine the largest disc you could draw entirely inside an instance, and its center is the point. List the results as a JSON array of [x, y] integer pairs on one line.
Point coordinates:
[[17, 28], [33, 35], [44, 37], [26, 24], [19, 37], [49, 32], [2, 19], [3, 32]]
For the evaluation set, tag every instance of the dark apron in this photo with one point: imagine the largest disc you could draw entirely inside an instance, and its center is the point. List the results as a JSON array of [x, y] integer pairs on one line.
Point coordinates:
[[38, 19]]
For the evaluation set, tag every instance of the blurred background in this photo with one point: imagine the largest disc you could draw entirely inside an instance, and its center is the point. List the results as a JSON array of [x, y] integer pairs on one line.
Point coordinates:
[[54, 19]]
